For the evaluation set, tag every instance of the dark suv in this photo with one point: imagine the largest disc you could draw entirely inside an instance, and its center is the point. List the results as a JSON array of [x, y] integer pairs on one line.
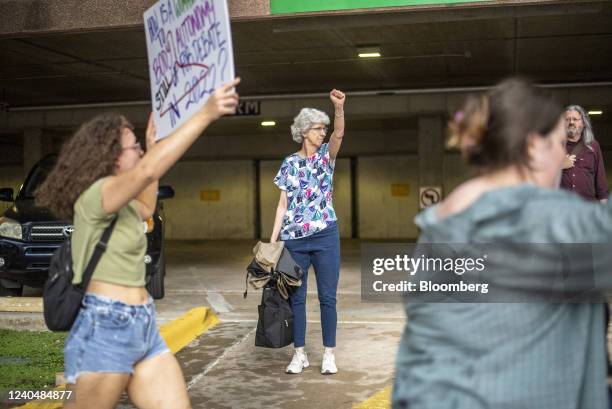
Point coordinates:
[[29, 235]]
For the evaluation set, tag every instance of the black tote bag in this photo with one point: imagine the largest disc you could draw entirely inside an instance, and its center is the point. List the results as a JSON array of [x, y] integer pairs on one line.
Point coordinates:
[[275, 323]]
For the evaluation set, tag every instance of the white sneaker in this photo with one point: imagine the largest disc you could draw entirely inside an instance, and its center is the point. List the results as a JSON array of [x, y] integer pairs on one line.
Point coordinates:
[[298, 363], [328, 367]]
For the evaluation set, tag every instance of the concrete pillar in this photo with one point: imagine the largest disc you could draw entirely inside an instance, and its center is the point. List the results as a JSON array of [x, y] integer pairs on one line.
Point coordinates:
[[431, 151], [32, 148]]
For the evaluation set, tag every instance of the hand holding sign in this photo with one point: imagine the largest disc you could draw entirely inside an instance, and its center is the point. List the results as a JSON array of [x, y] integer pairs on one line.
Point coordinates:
[[150, 134], [223, 101]]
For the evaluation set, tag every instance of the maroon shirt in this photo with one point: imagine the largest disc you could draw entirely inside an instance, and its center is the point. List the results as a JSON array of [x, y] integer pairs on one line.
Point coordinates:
[[588, 176]]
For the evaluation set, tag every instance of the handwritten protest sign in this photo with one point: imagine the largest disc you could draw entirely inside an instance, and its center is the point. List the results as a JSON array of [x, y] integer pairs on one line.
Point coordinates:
[[189, 45]]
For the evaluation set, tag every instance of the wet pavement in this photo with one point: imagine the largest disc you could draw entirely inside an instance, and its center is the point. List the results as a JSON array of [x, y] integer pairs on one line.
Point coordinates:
[[251, 377], [224, 369]]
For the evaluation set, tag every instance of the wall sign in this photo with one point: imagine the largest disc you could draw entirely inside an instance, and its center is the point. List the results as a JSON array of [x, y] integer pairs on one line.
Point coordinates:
[[429, 196], [400, 190], [210, 195], [248, 108]]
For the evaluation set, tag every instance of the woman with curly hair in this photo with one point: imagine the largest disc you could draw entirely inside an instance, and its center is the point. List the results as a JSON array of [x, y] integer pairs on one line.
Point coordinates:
[[306, 221], [102, 175]]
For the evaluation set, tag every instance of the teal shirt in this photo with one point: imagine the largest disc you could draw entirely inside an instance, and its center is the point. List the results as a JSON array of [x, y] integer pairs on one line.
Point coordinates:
[[512, 355]]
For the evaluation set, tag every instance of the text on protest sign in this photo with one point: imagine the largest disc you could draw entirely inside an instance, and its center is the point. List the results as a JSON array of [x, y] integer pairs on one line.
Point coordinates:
[[189, 46]]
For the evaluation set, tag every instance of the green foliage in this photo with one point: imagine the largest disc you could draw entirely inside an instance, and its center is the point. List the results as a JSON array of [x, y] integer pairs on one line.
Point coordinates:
[[30, 360]]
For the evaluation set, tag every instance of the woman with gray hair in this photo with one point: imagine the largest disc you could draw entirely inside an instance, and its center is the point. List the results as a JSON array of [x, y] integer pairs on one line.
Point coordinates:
[[306, 221]]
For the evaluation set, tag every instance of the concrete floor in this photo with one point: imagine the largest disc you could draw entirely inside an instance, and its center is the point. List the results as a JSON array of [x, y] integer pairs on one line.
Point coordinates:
[[224, 369]]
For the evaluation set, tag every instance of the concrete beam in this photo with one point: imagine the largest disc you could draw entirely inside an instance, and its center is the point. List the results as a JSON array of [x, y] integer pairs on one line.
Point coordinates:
[[65, 118], [24, 18], [373, 106]]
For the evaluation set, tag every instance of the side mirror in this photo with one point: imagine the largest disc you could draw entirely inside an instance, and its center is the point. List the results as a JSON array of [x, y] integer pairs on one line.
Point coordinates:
[[165, 192], [6, 194]]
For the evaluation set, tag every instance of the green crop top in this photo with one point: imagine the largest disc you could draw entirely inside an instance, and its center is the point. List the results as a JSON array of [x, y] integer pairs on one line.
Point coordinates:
[[123, 261]]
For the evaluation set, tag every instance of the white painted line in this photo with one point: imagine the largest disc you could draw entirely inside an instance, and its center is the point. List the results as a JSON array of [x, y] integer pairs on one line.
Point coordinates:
[[318, 322], [205, 291], [218, 302], [219, 358], [368, 322]]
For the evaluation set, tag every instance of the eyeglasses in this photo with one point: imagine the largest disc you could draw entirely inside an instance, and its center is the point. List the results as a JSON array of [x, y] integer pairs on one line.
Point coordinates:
[[319, 129], [136, 147]]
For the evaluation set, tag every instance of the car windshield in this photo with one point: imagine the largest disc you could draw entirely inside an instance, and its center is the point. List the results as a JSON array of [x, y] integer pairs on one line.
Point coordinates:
[[36, 177]]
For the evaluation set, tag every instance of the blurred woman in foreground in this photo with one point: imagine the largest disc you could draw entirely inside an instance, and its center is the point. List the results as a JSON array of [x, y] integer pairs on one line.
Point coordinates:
[[514, 355]]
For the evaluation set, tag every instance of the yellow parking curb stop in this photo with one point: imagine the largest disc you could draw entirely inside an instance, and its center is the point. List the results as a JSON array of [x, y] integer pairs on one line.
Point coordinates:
[[380, 400]]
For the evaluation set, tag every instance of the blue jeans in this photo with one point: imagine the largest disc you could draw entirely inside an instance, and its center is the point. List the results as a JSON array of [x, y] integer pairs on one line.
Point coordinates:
[[110, 336], [322, 251]]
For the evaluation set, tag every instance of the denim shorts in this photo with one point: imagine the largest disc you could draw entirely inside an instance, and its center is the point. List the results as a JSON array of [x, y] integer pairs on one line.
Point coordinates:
[[110, 336]]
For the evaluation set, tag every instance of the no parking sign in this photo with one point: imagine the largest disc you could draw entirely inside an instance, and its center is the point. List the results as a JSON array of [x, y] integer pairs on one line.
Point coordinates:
[[429, 196]]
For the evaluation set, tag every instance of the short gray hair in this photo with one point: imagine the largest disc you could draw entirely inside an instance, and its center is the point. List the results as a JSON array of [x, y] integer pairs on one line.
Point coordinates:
[[305, 120], [587, 132]]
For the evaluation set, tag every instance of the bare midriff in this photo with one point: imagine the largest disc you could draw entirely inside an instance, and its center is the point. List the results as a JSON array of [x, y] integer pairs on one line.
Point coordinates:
[[125, 294]]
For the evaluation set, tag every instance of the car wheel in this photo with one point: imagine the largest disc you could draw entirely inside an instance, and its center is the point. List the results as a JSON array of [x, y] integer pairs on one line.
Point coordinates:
[[155, 286], [10, 292]]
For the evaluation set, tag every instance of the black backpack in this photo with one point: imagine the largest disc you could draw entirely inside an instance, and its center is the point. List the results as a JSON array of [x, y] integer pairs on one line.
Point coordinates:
[[62, 299], [275, 323]]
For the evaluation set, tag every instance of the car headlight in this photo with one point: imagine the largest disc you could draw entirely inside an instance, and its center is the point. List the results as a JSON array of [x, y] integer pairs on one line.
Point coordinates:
[[10, 228]]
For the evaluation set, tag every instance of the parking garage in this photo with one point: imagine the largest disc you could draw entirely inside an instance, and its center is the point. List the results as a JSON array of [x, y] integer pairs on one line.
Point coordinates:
[[63, 64]]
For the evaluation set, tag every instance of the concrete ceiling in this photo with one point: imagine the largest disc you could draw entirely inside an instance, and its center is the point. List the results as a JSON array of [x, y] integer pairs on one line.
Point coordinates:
[[552, 44]]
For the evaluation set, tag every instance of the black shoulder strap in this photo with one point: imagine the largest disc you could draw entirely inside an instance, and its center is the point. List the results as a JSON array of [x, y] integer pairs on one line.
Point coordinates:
[[98, 251]]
